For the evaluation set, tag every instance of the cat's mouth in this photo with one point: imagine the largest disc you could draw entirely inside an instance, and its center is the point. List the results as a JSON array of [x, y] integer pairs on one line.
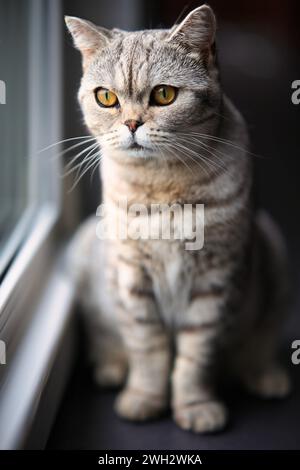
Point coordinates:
[[136, 149], [136, 146]]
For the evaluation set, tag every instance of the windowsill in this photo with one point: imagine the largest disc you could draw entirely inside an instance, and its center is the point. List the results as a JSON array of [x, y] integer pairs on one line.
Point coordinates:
[[24, 279], [13, 241], [33, 361]]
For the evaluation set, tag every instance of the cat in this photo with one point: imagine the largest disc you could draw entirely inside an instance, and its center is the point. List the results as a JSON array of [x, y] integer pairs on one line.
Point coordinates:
[[165, 320]]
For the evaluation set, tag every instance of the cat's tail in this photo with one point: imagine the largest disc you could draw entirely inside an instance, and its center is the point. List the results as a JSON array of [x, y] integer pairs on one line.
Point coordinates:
[[276, 260], [260, 368]]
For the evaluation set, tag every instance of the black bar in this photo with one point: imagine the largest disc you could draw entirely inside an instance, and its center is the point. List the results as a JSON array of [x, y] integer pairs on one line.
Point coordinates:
[[136, 458]]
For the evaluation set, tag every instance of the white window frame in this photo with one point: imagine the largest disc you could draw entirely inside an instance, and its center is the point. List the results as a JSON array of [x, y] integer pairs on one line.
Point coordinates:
[[43, 206], [32, 317]]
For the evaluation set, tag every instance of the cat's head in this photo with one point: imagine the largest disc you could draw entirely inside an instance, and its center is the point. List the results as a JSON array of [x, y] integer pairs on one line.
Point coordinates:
[[143, 93]]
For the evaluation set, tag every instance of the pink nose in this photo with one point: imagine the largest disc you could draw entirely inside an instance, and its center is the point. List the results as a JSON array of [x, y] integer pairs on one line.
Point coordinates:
[[132, 124]]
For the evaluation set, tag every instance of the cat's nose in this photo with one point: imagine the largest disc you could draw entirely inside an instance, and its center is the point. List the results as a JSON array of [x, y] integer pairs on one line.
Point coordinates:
[[132, 124]]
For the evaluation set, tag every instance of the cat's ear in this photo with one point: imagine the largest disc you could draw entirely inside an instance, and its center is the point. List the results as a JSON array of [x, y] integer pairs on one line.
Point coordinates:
[[87, 37], [197, 31]]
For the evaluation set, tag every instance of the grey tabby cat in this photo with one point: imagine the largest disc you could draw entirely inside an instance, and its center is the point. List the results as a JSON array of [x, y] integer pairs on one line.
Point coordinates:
[[162, 318]]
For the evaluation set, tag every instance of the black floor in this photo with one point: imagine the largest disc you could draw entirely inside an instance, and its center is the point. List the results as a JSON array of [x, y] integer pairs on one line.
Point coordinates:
[[86, 419]]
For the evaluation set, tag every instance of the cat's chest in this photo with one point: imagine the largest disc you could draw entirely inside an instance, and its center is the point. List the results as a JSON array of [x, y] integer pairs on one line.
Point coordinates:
[[172, 270]]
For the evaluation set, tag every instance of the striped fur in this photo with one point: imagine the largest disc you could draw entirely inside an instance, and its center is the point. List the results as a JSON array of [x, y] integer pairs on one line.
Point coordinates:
[[166, 318]]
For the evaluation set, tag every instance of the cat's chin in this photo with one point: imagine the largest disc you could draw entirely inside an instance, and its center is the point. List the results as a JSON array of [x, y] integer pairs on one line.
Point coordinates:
[[137, 151]]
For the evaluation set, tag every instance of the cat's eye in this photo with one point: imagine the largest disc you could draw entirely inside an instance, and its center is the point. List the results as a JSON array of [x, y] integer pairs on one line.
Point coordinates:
[[162, 95], [106, 98]]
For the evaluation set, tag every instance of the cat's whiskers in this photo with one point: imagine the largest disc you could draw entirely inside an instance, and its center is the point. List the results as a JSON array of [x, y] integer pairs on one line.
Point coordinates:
[[60, 154], [89, 149], [97, 165], [93, 160], [213, 166], [77, 155], [199, 158], [171, 146], [220, 140], [60, 142], [78, 167], [164, 140], [198, 153], [219, 163], [213, 150], [83, 140], [111, 139], [195, 156]]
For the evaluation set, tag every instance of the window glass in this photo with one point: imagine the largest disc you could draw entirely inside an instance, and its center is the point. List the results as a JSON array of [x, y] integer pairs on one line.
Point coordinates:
[[14, 102]]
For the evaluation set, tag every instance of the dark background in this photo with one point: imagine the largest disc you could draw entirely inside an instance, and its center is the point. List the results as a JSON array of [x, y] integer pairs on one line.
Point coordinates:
[[258, 46]]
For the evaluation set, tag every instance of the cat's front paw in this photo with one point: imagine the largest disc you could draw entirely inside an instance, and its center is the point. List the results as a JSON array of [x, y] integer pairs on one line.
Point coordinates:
[[210, 416], [138, 406]]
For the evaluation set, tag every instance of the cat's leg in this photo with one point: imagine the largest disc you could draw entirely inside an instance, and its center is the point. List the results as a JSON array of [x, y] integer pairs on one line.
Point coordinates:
[[146, 393], [195, 406]]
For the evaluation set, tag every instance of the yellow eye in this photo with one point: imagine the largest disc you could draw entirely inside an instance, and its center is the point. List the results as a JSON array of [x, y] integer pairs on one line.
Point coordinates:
[[163, 95], [106, 98]]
